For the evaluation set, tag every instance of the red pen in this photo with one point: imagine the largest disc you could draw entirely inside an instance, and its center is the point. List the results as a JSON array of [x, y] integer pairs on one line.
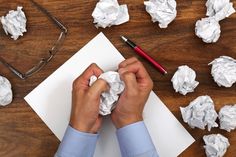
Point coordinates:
[[143, 54]]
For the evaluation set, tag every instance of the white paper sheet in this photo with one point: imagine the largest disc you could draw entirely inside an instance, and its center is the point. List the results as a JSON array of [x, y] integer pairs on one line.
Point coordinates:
[[51, 100]]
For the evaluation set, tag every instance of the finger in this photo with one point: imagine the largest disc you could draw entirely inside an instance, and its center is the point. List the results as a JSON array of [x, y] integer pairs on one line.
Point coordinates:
[[129, 79], [83, 79], [93, 69], [138, 69], [141, 74], [98, 87], [127, 62]]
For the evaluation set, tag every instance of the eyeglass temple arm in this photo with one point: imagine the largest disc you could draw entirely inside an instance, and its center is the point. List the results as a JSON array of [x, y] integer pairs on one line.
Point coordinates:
[[54, 19], [27, 74], [14, 70]]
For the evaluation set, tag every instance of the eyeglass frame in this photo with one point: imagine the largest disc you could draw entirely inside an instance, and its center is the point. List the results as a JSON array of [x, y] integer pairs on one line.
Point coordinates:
[[52, 51]]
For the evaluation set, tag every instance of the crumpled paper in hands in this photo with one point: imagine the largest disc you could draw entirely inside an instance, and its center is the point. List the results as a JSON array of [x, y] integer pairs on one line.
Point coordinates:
[[224, 71], [14, 23], [108, 99], [227, 116], [184, 80], [5, 91], [200, 113], [209, 28], [162, 11], [109, 12], [215, 145]]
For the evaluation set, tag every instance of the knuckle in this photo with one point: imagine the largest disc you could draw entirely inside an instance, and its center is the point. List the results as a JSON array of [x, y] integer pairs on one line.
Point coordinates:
[[122, 71], [134, 58], [93, 65], [102, 82], [132, 93], [122, 63], [75, 83], [140, 64]]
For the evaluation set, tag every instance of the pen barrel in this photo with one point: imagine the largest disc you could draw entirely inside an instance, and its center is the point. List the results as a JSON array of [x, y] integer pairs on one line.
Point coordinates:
[[131, 44], [150, 59]]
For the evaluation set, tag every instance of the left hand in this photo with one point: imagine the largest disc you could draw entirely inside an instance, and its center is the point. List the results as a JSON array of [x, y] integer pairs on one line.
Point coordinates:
[[86, 100]]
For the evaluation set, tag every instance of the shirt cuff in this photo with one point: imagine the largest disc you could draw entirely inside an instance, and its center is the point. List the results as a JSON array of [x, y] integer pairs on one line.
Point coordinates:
[[77, 144], [134, 140]]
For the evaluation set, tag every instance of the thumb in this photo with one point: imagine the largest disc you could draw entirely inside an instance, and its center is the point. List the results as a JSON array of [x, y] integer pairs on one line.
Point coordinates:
[[98, 87], [129, 79]]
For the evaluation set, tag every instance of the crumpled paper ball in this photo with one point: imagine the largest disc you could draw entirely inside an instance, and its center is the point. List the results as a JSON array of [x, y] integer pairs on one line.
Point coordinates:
[[208, 29], [14, 23], [109, 12], [227, 116], [224, 71], [215, 145], [200, 113], [184, 80], [222, 8], [5, 91], [162, 11], [108, 99]]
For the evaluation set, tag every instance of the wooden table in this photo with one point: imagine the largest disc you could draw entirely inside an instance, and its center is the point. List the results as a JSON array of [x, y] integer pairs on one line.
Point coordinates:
[[23, 134]]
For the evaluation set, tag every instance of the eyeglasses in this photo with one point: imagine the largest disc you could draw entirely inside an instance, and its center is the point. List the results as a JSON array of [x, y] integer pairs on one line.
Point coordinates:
[[52, 51]]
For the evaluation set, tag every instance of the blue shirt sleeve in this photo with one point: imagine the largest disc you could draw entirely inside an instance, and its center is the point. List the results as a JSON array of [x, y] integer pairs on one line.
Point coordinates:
[[135, 141], [77, 144]]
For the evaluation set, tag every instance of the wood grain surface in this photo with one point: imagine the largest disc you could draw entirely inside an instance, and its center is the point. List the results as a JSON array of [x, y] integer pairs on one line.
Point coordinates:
[[23, 134]]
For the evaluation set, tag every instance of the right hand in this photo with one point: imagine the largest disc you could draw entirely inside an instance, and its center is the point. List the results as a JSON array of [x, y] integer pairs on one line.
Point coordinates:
[[138, 86]]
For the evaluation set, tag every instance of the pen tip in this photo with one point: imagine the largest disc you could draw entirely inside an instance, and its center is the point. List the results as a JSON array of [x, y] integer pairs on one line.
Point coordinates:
[[123, 38], [165, 73]]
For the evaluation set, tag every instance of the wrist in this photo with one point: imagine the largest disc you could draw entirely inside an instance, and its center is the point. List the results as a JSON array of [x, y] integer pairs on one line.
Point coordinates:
[[122, 122], [78, 127], [81, 127]]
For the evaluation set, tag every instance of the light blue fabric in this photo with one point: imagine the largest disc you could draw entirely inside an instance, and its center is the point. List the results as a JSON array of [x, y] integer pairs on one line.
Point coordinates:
[[134, 141], [77, 144]]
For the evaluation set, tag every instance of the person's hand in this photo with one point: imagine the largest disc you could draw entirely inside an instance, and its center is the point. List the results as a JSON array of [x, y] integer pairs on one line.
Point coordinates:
[[86, 100], [138, 86]]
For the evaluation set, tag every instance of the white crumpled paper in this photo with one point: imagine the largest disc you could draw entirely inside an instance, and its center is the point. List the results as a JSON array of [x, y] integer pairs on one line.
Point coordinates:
[[109, 12], [184, 80], [163, 11], [200, 113], [219, 8], [227, 116], [215, 145], [209, 28], [14, 23], [109, 98], [5, 91], [224, 71]]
